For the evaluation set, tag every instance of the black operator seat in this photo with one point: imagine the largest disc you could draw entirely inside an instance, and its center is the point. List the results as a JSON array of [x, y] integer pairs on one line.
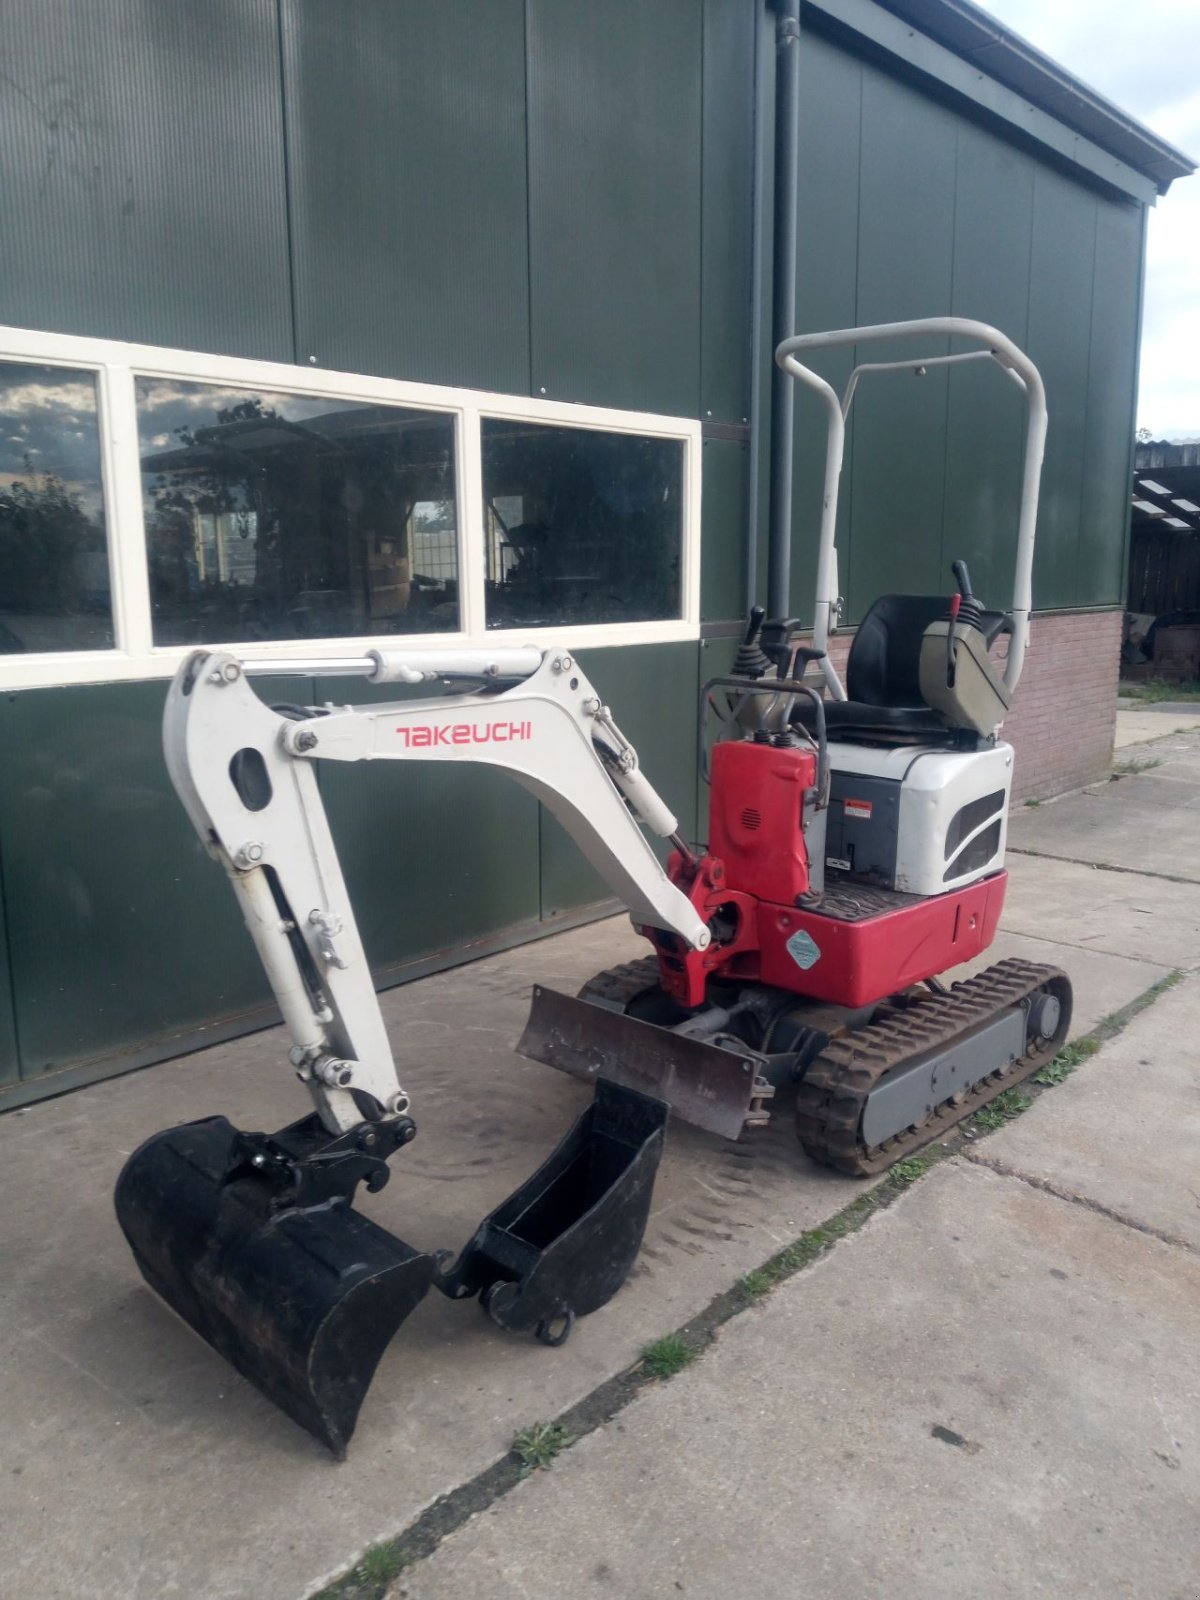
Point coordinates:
[[883, 675]]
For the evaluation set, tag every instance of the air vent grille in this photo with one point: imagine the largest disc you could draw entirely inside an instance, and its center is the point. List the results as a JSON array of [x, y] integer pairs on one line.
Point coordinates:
[[751, 819]]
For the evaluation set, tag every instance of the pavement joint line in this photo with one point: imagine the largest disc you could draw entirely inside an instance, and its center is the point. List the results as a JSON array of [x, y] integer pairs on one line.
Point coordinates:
[[1089, 949], [1160, 769], [1101, 866], [372, 1575], [1002, 1169]]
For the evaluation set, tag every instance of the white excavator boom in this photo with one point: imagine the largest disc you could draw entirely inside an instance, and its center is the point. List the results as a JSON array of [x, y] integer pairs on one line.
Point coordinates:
[[245, 775]]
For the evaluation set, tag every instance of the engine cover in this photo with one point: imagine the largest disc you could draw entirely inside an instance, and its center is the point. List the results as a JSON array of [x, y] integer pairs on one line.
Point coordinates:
[[920, 819]]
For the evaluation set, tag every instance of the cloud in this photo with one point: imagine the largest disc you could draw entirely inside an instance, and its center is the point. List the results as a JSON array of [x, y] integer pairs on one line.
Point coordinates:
[[48, 422]]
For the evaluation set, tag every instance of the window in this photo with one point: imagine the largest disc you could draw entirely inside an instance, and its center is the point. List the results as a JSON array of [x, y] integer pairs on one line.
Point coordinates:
[[282, 516], [582, 526], [153, 500], [54, 583]]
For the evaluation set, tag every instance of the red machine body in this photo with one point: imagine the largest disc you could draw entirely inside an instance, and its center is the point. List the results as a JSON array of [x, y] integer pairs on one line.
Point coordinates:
[[852, 945], [755, 818]]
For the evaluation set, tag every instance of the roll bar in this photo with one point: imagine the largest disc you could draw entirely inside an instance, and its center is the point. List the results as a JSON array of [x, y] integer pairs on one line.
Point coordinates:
[[997, 347]]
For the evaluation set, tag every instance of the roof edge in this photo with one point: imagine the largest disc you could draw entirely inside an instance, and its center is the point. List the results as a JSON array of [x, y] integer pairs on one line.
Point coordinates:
[[979, 38]]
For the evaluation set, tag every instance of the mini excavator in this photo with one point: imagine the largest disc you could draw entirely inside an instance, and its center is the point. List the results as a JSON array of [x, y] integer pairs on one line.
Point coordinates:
[[854, 855]]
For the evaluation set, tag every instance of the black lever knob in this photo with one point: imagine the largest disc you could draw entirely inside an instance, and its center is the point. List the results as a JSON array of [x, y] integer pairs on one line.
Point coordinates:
[[970, 612], [750, 661], [757, 613]]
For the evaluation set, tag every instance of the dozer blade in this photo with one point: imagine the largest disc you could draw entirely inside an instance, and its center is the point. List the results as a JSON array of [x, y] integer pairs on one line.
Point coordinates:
[[563, 1243], [302, 1301], [702, 1083]]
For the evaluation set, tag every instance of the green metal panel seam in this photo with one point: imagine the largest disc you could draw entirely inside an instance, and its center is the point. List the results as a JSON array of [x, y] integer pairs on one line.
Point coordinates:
[[1087, 382], [846, 483], [946, 426], [1029, 265], [846, 495], [760, 377], [1092, 290], [1137, 361], [288, 207], [699, 412], [529, 273]]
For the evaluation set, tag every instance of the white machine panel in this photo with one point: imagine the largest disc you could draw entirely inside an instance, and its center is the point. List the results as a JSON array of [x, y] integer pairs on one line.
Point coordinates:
[[953, 814]]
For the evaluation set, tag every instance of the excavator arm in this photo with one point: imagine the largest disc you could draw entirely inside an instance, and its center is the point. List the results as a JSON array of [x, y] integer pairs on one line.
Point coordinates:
[[245, 774], [253, 1237]]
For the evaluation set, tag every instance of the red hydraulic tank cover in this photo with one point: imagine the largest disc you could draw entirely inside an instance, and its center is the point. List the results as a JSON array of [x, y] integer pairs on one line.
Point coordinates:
[[756, 811]]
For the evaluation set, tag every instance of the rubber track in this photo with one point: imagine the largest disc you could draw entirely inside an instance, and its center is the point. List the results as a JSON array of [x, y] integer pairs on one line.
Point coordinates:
[[837, 1085], [620, 985]]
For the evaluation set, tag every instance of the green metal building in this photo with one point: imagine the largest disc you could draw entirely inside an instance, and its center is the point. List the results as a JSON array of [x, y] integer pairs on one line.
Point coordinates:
[[350, 319]]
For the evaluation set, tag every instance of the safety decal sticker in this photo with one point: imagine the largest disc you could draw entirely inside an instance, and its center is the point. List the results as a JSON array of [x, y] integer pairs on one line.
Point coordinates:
[[858, 809], [803, 949]]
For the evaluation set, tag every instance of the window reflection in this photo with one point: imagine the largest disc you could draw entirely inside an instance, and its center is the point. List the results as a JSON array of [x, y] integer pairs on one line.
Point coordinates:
[[278, 516], [581, 526], [54, 582]]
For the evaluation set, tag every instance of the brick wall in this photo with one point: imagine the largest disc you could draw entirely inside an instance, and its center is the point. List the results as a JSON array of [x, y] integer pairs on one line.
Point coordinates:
[[1064, 714], [1065, 711]]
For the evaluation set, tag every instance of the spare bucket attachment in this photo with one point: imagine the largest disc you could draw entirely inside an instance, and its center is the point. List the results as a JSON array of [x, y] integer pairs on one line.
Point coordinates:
[[563, 1244], [252, 1240], [718, 1089]]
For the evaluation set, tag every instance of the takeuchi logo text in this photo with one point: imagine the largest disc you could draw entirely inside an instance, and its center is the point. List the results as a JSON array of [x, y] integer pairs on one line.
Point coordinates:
[[421, 735]]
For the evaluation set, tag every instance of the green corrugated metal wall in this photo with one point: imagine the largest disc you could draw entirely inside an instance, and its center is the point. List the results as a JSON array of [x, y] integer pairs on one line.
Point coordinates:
[[912, 210], [527, 196]]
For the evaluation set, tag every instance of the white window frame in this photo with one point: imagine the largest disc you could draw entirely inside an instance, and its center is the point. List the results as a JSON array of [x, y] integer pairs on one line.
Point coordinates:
[[135, 655]]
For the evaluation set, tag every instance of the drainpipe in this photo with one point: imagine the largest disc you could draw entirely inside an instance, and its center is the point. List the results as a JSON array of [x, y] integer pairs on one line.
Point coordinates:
[[758, 229], [787, 143]]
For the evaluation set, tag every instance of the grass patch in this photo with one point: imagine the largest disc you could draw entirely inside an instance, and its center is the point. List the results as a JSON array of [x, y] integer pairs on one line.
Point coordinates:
[[664, 1357], [535, 1447], [1067, 1059], [1154, 690], [1002, 1109], [911, 1168], [757, 1283], [1033, 803], [380, 1565], [797, 1254], [372, 1575], [1108, 1027], [1131, 768]]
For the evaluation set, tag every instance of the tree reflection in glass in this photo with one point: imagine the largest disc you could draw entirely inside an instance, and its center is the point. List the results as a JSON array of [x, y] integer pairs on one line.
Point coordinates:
[[54, 576], [283, 516]]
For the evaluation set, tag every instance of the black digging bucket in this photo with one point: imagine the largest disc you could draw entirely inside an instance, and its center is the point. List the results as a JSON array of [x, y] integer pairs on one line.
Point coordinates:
[[564, 1242], [302, 1300], [253, 1240]]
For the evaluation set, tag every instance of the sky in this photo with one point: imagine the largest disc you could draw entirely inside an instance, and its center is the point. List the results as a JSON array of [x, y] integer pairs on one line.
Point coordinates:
[[1145, 57]]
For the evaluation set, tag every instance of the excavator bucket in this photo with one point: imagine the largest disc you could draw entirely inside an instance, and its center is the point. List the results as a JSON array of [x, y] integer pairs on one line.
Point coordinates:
[[303, 1301], [563, 1243], [253, 1240], [705, 1084]]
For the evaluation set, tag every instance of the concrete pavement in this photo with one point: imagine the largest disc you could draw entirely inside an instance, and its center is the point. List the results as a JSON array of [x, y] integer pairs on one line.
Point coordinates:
[[134, 1464], [988, 1391], [1139, 721]]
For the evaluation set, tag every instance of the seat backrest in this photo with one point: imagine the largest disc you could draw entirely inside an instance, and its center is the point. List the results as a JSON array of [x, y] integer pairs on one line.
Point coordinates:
[[883, 668]]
